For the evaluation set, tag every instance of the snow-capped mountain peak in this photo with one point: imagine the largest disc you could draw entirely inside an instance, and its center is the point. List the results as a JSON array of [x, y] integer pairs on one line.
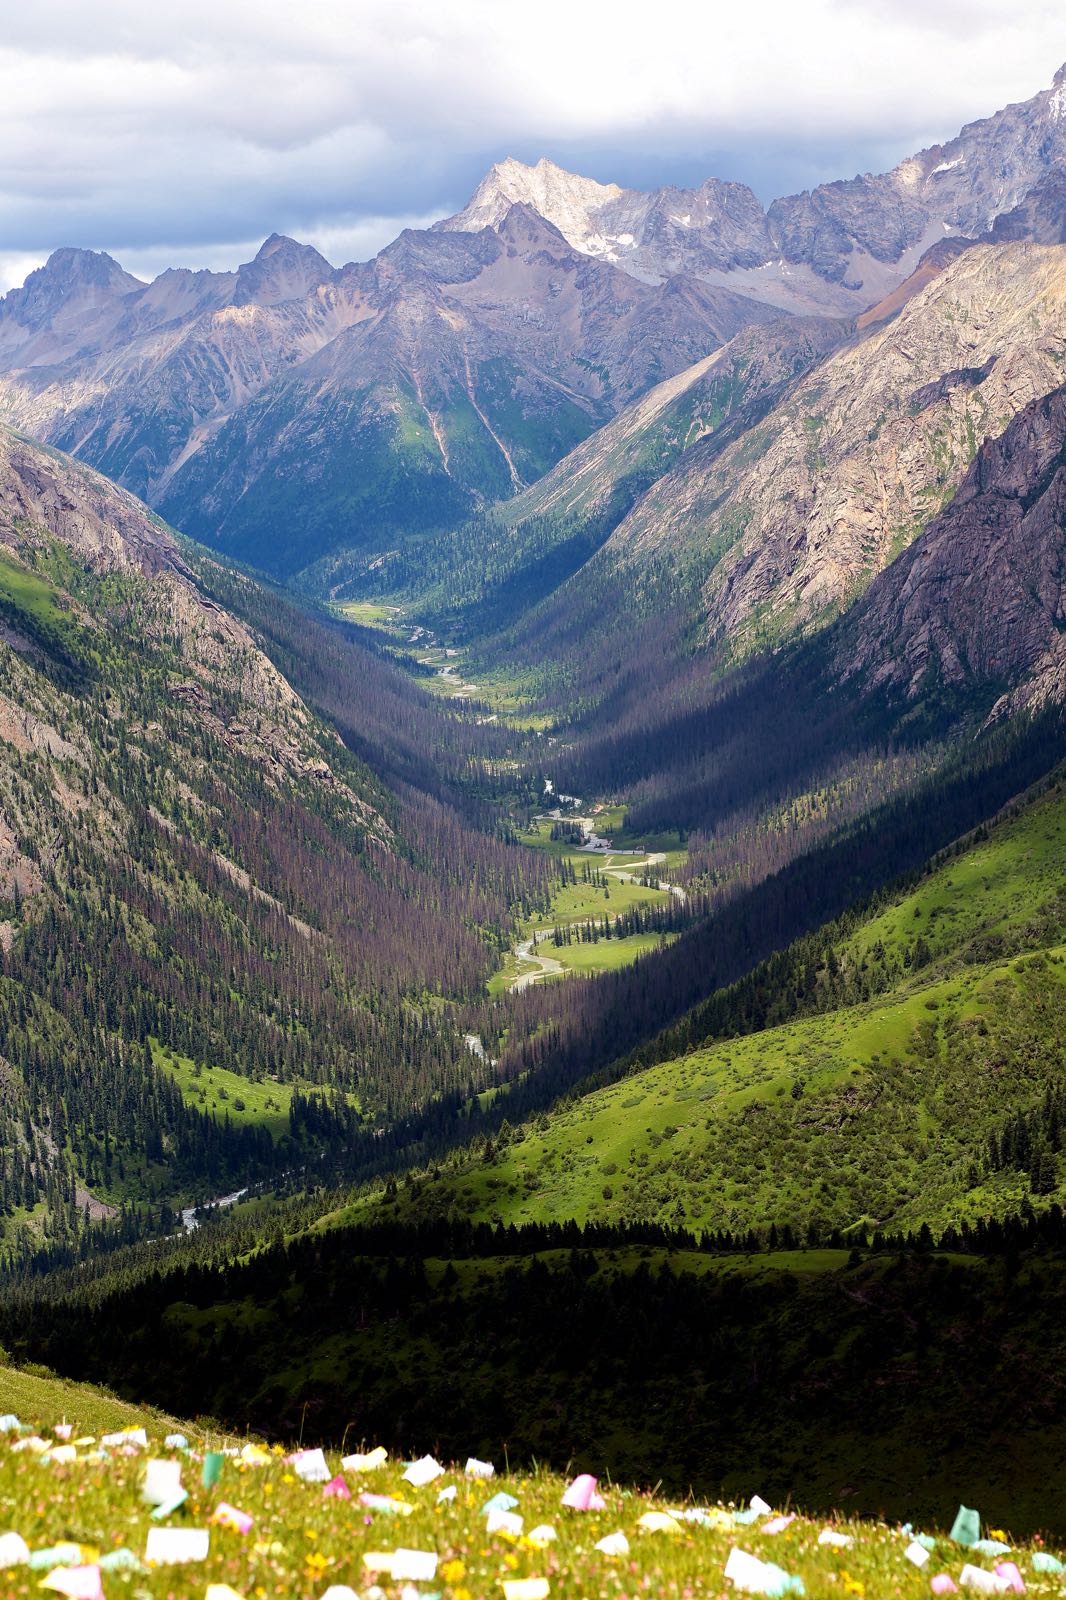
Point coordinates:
[[565, 198]]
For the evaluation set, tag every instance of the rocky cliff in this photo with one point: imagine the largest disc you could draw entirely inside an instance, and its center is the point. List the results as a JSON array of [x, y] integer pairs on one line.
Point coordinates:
[[794, 518], [980, 596]]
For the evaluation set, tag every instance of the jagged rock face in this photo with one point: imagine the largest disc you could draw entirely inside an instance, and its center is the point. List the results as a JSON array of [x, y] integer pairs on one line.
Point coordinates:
[[1040, 216], [980, 597], [283, 270], [992, 164], [822, 228], [717, 226], [82, 304], [49, 503], [846, 244], [795, 517], [43, 497], [73, 302], [289, 409]]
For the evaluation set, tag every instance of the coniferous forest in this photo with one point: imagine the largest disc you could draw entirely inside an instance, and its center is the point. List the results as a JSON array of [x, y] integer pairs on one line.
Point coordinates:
[[533, 823]]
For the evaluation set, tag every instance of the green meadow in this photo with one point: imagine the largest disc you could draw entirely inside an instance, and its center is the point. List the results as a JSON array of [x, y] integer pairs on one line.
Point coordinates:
[[874, 1114], [291, 1537], [223, 1093], [33, 1393]]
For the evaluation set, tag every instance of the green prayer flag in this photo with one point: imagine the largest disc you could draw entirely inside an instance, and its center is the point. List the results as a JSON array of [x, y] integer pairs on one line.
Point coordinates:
[[966, 1529], [168, 1507]]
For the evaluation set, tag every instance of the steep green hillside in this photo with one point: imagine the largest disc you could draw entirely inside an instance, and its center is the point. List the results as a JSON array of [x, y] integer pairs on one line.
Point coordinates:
[[506, 560], [929, 1087], [403, 461], [199, 877]]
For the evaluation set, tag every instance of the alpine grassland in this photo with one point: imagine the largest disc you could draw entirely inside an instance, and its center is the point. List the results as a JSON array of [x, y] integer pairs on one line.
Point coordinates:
[[920, 1078], [132, 1500]]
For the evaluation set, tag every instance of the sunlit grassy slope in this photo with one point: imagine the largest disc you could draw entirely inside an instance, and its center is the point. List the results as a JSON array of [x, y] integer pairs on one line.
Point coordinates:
[[38, 1396], [359, 1523], [228, 1094], [876, 1113]]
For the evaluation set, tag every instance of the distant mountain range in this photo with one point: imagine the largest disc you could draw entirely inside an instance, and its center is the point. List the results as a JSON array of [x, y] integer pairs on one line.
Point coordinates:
[[836, 248], [291, 410]]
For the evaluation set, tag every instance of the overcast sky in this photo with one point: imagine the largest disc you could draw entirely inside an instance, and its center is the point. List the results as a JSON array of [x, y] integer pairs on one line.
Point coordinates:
[[184, 135]]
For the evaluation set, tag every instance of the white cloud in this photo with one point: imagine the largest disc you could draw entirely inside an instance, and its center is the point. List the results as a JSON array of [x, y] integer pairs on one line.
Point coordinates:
[[185, 134], [15, 268]]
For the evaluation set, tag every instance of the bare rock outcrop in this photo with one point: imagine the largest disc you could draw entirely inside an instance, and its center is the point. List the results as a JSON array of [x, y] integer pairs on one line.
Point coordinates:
[[793, 519], [980, 597]]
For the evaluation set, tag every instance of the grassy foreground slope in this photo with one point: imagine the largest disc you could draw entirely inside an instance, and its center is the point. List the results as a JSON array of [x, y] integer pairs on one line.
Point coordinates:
[[37, 1395], [929, 1087], [369, 1524], [899, 1383]]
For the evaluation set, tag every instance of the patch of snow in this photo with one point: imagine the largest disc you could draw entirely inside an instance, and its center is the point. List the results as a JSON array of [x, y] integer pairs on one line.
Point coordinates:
[[947, 166], [604, 244]]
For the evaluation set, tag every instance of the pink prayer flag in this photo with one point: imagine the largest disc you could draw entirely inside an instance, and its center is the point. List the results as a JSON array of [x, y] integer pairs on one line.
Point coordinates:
[[63, 1430], [582, 1496], [78, 1583], [943, 1584], [337, 1489], [1009, 1571], [777, 1524], [227, 1516]]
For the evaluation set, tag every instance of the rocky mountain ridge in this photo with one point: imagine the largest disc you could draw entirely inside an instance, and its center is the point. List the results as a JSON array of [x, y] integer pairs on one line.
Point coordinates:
[[344, 403], [980, 596], [788, 523], [291, 410], [835, 248]]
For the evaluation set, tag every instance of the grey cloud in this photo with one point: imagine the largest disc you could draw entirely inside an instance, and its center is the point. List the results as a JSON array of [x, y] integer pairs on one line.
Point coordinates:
[[127, 127]]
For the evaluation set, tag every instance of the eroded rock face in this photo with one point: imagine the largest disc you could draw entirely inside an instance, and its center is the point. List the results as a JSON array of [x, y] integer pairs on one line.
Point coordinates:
[[1041, 215], [49, 503], [796, 516], [43, 495], [981, 595], [823, 227]]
